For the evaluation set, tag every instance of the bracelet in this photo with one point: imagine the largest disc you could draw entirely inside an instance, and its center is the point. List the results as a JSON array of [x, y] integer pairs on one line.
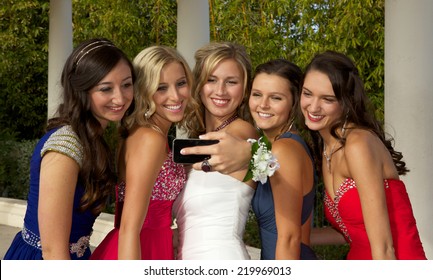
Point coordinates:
[[263, 163]]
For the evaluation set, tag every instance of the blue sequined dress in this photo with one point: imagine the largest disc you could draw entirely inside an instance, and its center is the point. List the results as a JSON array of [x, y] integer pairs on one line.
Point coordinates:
[[264, 209], [26, 244]]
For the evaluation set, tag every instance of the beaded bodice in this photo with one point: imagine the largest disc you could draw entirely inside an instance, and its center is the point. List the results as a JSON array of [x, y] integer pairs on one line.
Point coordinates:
[[170, 181], [345, 213]]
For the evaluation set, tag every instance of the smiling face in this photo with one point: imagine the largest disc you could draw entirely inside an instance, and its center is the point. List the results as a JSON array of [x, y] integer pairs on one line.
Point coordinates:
[[319, 105], [223, 92], [111, 97], [172, 95], [270, 103]]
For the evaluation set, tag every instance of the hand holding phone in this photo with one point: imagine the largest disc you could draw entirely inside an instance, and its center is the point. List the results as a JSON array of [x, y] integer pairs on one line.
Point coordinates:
[[179, 144]]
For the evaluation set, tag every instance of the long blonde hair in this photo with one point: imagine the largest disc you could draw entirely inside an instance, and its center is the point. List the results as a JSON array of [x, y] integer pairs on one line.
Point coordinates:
[[207, 58], [148, 65]]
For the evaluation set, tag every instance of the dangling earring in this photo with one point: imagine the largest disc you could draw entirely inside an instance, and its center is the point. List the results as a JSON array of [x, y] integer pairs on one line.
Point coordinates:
[[291, 122], [147, 115], [343, 129]]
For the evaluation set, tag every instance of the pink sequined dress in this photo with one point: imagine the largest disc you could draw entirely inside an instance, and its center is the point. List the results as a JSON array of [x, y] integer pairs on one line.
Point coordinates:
[[345, 214], [156, 236]]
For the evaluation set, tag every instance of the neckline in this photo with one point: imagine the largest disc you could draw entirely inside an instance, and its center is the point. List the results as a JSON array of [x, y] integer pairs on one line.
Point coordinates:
[[339, 194], [227, 122]]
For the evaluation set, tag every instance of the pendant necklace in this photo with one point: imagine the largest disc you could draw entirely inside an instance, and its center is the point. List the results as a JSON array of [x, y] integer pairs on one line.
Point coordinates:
[[328, 157], [227, 122], [332, 151]]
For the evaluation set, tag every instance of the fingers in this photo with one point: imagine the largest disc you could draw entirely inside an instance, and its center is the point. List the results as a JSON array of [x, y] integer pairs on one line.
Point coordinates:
[[214, 135], [198, 150]]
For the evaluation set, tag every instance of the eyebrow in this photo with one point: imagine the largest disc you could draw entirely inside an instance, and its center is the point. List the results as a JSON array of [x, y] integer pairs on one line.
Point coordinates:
[[108, 83]]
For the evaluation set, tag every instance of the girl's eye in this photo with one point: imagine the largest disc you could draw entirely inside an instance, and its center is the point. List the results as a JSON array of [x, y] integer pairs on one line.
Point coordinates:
[[255, 94], [211, 80], [330, 100], [182, 83], [105, 89], [127, 85], [162, 88], [306, 93], [232, 82], [276, 98]]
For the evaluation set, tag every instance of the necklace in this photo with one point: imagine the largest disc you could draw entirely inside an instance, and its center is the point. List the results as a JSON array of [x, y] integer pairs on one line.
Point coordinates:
[[328, 157], [227, 122]]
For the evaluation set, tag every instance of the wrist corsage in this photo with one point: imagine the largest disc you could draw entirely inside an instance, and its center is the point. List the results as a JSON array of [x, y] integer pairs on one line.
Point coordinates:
[[263, 164]]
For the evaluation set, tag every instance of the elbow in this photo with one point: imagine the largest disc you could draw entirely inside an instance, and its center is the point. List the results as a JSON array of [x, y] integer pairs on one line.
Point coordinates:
[[385, 252]]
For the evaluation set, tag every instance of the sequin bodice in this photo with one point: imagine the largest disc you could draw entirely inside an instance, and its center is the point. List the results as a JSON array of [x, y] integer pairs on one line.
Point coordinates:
[[345, 214], [171, 179]]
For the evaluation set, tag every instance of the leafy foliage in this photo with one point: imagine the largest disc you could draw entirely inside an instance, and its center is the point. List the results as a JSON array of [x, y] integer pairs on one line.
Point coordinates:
[[130, 24], [292, 29], [23, 67]]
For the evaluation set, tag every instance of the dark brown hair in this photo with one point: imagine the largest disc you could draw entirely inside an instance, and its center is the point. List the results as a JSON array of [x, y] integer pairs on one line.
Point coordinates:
[[88, 64], [350, 93]]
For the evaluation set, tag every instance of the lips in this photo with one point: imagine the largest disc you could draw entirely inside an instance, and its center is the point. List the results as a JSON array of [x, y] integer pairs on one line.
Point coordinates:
[[174, 108], [264, 115], [314, 118], [220, 102], [116, 108]]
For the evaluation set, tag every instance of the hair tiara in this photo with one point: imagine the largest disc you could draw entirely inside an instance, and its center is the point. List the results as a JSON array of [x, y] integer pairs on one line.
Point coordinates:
[[87, 49]]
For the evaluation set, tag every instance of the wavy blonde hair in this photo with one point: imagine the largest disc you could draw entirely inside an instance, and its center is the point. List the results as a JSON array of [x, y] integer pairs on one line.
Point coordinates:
[[148, 65], [207, 58]]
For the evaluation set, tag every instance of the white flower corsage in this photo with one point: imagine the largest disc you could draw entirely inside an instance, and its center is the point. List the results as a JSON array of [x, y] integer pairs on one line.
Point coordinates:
[[263, 164]]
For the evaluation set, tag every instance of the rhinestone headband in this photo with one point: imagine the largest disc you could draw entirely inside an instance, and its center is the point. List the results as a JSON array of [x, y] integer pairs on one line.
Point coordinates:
[[87, 49]]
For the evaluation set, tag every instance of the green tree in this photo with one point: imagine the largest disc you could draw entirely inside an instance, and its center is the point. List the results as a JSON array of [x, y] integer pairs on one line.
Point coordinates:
[[292, 29], [23, 67], [130, 24], [298, 29]]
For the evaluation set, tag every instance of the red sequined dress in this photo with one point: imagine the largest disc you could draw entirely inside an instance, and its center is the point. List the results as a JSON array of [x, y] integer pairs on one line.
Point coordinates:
[[156, 236], [345, 214]]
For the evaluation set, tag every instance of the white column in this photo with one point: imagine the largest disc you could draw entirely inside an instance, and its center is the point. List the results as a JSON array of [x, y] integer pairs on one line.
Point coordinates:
[[409, 101], [59, 47], [192, 30], [192, 27]]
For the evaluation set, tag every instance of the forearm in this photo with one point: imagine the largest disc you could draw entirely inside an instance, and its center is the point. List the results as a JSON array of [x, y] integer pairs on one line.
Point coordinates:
[[129, 247], [288, 248]]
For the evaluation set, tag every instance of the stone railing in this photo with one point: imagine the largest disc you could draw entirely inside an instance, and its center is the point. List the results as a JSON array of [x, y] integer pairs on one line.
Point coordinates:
[[12, 213]]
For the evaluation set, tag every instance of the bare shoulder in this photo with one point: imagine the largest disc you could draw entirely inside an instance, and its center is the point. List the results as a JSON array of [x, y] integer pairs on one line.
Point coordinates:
[[288, 148], [360, 142], [144, 137], [242, 129]]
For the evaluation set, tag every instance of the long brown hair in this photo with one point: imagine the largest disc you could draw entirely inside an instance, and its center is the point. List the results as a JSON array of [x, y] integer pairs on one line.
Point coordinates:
[[88, 64], [350, 93]]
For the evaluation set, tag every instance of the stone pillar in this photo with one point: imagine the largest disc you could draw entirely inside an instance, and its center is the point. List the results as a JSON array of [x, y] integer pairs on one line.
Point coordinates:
[[192, 27], [409, 101], [59, 48], [192, 30]]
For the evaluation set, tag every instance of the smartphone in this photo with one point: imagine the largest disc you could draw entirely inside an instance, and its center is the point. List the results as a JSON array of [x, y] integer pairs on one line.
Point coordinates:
[[179, 144]]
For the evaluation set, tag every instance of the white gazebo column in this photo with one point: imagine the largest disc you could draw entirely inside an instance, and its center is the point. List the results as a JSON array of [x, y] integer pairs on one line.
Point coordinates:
[[192, 27], [409, 101], [192, 30], [59, 47]]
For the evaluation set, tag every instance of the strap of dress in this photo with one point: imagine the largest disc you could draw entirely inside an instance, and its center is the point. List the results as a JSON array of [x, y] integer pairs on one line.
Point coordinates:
[[308, 199], [66, 142]]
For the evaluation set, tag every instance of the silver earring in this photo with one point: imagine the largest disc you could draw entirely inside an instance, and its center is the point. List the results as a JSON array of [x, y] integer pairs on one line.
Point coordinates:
[[147, 114]]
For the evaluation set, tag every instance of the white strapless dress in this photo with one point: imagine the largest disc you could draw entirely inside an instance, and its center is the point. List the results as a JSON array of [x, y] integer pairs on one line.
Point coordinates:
[[211, 212]]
